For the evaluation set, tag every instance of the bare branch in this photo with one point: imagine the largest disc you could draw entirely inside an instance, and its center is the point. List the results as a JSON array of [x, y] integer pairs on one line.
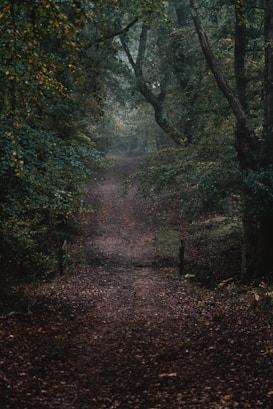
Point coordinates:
[[216, 69], [118, 32], [154, 100]]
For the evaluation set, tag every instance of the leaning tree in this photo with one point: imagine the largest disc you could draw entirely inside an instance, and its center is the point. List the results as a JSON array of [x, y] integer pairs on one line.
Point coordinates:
[[255, 151]]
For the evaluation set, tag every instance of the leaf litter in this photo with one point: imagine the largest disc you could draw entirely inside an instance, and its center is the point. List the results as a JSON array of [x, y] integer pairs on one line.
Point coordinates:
[[127, 333]]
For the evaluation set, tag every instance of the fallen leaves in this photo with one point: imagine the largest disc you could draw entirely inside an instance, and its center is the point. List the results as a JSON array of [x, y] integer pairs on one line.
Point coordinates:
[[117, 336]]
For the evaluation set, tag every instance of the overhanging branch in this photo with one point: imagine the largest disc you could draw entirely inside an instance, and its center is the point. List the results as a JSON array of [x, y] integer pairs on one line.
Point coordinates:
[[144, 89], [216, 69], [117, 32]]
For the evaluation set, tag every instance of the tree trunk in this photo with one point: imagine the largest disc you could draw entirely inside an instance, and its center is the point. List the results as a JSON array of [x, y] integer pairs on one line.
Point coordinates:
[[250, 253], [266, 157], [248, 153], [266, 245], [182, 12], [267, 146], [254, 158], [157, 101]]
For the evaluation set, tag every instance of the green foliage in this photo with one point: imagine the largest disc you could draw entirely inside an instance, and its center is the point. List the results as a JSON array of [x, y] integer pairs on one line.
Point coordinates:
[[201, 176], [259, 185], [108, 15], [54, 59], [43, 161], [37, 44], [40, 185]]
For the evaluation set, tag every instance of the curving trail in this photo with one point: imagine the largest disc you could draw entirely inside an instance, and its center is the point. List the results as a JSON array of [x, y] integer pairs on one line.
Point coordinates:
[[124, 333]]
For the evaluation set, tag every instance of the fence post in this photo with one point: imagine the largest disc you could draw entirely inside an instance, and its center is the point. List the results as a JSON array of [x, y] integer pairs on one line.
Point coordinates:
[[181, 256]]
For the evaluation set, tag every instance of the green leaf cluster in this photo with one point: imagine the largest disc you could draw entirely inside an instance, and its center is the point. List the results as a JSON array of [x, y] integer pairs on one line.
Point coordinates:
[[259, 186], [199, 180], [41, 179], [47, 151]]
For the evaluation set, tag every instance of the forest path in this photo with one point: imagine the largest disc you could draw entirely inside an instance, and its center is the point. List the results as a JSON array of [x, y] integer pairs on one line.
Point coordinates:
[[126, 334]]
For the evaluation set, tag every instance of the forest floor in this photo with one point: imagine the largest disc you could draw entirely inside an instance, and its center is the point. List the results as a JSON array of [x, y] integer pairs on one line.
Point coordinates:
[[126, 332]]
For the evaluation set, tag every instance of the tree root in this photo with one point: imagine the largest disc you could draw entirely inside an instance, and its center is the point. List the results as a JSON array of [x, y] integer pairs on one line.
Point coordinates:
[[20, 313]]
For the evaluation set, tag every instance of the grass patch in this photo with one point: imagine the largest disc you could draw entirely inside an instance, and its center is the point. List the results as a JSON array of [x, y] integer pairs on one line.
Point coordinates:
[[167, 243]]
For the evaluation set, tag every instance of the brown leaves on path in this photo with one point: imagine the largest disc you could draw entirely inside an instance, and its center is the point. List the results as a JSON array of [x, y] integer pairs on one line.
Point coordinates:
[[126, 333]]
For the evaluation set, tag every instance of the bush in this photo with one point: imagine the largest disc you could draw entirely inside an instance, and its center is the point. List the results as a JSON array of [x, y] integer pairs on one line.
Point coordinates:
[[200, 176], [40, 190]]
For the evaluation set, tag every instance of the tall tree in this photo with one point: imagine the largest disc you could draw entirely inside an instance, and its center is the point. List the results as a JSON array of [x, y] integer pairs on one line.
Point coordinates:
[[154, 90], [255, 155]]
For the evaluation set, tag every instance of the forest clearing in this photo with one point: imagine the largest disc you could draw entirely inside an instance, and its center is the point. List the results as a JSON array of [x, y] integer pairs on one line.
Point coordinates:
[[126, 332]]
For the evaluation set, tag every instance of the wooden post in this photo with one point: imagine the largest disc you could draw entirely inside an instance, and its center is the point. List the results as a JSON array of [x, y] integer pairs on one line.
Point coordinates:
[[181, 256], [62, 256]]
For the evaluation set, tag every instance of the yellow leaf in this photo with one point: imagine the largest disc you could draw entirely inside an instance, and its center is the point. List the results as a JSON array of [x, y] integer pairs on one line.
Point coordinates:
[[257, 297], [59, 337]]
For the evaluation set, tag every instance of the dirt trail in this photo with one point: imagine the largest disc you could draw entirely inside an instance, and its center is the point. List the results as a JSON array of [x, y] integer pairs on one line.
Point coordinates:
[[126, 334], [123, 233]]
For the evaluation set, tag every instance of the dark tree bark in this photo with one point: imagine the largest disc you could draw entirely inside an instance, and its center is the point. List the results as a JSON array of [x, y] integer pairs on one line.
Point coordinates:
[[116, 33], [268, 91], [257, 246], [157, 101], [182, 12], [266, 157], [248, 151], [239, 56]]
